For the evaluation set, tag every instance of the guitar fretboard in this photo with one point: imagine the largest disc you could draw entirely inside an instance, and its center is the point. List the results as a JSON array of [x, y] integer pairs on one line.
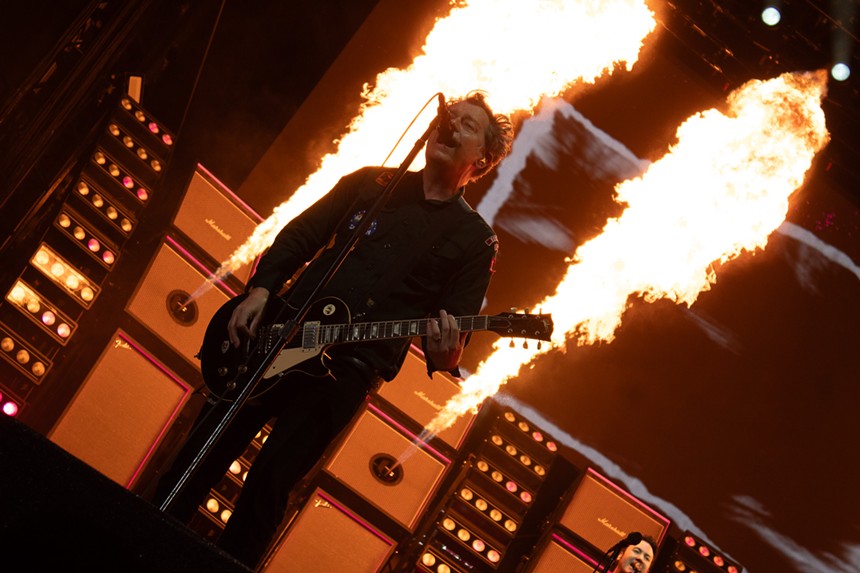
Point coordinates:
[[315, 334]]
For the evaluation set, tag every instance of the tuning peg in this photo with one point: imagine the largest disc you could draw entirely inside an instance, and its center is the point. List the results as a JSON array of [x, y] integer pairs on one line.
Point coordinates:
[[526, 310], [513, 309], [539, 345], [526, 344], [512, 343]]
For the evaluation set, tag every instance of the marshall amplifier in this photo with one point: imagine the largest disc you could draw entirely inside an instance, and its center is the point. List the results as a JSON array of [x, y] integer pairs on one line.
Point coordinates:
[[601, 514], [421, 397], [215, 219], [560, 555]]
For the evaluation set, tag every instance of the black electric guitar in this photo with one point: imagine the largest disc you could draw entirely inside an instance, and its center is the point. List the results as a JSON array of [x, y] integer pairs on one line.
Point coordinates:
[[327, 323]]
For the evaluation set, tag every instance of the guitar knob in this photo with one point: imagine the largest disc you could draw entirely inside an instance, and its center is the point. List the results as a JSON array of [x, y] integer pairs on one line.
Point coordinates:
[[222, 371], [231, 385], [243, 369]]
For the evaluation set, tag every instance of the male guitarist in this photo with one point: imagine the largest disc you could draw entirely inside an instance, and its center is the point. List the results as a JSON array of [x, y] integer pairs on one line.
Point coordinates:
[[427, 254]]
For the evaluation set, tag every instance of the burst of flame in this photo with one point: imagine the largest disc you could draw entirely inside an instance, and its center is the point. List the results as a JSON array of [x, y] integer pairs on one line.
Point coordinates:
[[720, 191], [516, 50]]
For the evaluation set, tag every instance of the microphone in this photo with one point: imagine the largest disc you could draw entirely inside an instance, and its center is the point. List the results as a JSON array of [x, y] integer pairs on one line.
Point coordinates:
[[444, 125]]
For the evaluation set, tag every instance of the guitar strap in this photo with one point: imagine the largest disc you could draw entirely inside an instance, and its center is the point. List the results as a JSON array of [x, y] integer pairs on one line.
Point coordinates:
[[401, 267]]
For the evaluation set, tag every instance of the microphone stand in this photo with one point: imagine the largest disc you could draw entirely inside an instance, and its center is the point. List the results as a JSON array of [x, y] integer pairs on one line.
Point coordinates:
[[291, 326]]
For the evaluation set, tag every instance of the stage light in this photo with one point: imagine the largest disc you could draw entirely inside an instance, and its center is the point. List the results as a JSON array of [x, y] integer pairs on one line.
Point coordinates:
[[469, 538], [771, 16], [36, 364], [61, 273], [96, 246], [128, 141], [842, 38], [840, 72], [435, 561], [107, 209], [147, 122], [111, 167], [487, 508], [771, 13], [10, 408], [505, 482], [524, 427], [40, 310], [693, 555], [524, 459]]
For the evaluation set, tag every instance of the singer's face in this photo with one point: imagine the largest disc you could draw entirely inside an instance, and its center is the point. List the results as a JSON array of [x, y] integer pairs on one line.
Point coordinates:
[[636, 558], [469, 123]]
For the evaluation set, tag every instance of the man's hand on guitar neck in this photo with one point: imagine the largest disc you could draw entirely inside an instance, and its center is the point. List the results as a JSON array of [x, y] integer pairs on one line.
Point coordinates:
[[246, 317], [444, 341]]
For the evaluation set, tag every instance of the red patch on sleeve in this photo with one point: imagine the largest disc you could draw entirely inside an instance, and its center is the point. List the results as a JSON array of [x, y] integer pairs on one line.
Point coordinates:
[[493, 242], [384, 178]]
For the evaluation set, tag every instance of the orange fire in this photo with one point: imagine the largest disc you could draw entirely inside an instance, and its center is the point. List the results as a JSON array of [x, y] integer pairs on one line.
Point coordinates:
[[719, 192], [516, 54]]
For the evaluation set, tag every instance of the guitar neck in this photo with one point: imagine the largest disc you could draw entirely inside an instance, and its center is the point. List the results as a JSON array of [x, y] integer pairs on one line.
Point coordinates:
[[385, 330]]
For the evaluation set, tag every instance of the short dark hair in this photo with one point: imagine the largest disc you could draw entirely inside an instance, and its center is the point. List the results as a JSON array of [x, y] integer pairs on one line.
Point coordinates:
[[629, 541], [652, 542], [499, 135]]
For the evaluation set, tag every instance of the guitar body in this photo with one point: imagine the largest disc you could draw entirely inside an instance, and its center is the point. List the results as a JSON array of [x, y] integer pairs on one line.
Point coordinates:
[[224, 367]]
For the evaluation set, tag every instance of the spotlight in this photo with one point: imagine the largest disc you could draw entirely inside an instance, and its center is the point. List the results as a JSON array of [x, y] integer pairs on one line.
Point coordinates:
[[842, 39], [107, 165], [10, 409], [696, 555], [109, 210], [771, 14], [840, 71], [58, 270], [38, 309], [470, 539], [23, 355], [93, 243]]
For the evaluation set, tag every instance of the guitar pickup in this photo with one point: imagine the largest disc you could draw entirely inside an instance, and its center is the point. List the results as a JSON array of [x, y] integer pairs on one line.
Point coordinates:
[[310, 335]]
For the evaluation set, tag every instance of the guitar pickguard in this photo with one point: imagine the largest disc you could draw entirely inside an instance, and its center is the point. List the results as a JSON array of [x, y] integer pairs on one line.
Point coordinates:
[[288, 358]]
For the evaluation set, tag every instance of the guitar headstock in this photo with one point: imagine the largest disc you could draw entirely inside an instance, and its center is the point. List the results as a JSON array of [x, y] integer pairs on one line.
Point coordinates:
[[518, 325]]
